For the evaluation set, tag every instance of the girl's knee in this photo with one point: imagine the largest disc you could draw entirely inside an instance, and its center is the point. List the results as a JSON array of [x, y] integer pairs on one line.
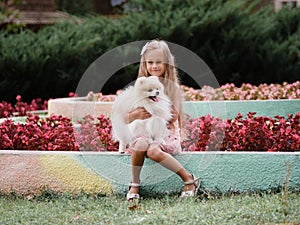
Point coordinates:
[[154, 152], [141, 145]]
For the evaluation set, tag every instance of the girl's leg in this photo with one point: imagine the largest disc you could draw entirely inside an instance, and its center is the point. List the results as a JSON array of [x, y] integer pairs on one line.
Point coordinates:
[[137, 161], [155, 153]]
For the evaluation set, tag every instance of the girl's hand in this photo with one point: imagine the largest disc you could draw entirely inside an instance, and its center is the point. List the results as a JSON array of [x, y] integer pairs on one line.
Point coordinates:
[[174, 113], [138, 113]]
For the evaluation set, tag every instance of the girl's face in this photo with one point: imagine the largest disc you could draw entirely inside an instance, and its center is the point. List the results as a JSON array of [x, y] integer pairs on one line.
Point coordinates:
[[155, 62]]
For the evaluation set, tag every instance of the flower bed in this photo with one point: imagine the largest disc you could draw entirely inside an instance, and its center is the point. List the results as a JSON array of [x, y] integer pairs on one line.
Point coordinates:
[[259, 133], [245, 92], [205, 133], [21, 108], [52, 133], [227, 92]]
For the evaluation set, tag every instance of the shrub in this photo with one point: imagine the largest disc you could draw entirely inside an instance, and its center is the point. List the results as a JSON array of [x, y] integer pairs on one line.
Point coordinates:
[[239, 44], [79, 7]]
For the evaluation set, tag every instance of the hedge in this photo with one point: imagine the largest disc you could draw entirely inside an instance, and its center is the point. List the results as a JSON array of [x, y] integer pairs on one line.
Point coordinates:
[[240, 42]]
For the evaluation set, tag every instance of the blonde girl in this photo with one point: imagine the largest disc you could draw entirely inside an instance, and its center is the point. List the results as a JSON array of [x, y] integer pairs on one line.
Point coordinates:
[[157, 60]]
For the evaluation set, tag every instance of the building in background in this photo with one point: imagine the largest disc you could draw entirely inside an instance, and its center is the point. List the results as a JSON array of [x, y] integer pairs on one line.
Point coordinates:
[[33, 13]]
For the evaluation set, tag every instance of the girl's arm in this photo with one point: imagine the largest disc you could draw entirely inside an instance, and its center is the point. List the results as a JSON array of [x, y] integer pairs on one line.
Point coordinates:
[[138, 113]]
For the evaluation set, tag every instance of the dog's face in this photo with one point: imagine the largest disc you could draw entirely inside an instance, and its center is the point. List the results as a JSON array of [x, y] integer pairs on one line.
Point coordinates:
[[149, 87]]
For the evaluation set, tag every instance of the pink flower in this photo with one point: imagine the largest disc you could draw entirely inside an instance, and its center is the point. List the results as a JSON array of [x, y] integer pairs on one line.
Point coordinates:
[[18, 98]]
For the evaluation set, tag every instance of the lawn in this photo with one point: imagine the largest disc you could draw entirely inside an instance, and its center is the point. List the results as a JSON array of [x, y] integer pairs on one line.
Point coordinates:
[[272, 208]]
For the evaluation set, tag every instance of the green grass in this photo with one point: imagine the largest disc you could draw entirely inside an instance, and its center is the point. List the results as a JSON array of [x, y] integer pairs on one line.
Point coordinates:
[[275, 208]]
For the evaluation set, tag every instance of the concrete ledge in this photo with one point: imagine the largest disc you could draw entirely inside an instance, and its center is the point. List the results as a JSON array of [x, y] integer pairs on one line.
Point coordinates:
[[106, 173], [230, 109], [77, 108]]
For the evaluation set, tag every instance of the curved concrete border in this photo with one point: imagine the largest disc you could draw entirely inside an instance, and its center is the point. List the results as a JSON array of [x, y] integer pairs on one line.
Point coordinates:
[[77, 108], [104, 173], [229, 171]]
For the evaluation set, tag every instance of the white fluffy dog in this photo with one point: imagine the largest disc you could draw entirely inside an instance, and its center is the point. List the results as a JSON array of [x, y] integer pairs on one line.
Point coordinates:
[[147, 92]]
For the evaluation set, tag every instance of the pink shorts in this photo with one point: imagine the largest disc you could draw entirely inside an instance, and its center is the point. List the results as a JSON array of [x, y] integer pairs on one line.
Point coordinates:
[[171, 144]]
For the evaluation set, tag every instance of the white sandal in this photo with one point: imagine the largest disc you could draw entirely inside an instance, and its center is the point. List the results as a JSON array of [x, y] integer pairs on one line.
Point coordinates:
[[191, 193], [132, 196]]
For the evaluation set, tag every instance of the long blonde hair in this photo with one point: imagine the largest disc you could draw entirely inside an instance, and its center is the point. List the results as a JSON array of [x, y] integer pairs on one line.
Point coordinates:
[[170, 78]]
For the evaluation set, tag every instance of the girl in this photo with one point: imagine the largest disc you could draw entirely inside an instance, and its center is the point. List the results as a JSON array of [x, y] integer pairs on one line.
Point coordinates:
[[157, 60]]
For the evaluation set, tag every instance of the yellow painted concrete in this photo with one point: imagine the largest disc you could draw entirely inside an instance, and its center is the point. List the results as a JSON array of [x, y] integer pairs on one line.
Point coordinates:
[[74, 176]]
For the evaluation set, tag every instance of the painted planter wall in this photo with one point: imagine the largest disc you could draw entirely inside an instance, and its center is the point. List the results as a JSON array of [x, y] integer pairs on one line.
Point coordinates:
[[230, 109], [26, 172], [77, 108], [108, 173], [219, 172]]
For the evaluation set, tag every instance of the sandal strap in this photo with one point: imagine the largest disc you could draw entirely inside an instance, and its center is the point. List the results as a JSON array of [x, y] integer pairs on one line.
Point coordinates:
[[189, 182], [191, 193], [194, 181], [134, 185]]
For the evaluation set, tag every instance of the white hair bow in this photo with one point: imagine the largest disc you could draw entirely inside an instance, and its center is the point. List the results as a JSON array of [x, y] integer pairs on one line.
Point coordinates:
[[144, 48]]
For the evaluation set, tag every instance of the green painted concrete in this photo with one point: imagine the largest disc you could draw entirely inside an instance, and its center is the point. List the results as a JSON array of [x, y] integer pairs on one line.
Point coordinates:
[[230, 109], [219, 172]]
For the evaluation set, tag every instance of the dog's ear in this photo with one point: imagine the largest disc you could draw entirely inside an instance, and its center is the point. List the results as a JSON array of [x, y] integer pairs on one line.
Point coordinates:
[[140, 81], [154, 78]]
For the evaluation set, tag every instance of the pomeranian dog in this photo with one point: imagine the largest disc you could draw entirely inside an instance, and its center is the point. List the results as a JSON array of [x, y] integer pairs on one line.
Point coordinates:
[[147, 92]]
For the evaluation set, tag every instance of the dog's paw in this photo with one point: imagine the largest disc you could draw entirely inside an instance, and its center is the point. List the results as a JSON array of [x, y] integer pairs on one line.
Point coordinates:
[[121, 149]]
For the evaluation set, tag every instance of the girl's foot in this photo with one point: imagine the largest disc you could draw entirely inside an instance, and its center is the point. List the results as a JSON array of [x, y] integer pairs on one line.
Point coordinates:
[[133, 193], [191, 187], [134, 190]]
